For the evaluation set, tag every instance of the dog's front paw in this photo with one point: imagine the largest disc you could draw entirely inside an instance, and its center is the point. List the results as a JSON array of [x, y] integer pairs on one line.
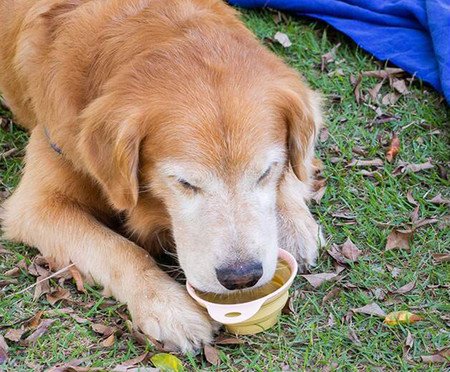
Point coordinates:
[[302, 237], [167, 314]]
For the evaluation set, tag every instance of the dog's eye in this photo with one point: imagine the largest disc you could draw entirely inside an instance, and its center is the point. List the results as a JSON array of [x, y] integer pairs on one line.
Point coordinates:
[[265, 174], [187, 185]]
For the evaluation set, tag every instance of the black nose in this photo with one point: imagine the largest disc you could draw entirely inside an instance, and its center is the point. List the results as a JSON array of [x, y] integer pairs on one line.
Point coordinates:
[[239, 276]]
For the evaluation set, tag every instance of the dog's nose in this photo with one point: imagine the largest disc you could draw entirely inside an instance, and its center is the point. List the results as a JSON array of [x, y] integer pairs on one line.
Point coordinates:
[[239, 276]]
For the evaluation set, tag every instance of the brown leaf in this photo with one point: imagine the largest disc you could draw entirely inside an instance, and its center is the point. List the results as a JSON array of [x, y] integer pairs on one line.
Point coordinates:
[[76, 275], [410, 198], [390, 99], [40, 330], [132, 362], [384, 74], [109, 341], [79, 319], [42, 287], [366, 163], [330, 295], [15, 334], [228, 340], [328, 57], [103, 329], [283, 39], [3, 350], [343, 215], [443, 173], [394, 148], [442, 356], [58, 295], [404, 167], [317, 279], [441, 257], [409, 342], [14, 272], [399, 239], [370, 309], [424, 222], [336, 253], [356, 82], [359, 151], [34, 321], [350, 251], [405, 289], [438, 199], [415, 215], [400, 86], [211, 355], [353, 336], [373, 93], [288, 308]]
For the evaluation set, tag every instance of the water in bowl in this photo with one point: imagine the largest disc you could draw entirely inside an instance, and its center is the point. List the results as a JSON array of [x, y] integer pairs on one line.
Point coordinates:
[[282, 274]]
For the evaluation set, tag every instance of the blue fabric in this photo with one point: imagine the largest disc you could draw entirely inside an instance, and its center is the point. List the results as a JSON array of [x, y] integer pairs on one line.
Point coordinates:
[[412, 34]]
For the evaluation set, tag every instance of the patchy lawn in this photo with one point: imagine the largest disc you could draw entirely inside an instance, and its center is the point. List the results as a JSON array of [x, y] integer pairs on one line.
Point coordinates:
[[361, 202]]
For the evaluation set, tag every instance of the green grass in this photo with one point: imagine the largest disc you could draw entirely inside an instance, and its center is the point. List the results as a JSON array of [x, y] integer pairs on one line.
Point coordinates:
[[304, 341]]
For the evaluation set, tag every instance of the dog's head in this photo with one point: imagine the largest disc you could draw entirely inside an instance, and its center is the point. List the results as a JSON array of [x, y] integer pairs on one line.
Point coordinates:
[[207, 141]]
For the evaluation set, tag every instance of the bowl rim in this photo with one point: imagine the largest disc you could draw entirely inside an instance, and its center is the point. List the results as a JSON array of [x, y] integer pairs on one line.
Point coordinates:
[[283, 254]]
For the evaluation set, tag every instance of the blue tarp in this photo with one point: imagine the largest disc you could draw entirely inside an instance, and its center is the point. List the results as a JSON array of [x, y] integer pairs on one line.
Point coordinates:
[[412, 34]]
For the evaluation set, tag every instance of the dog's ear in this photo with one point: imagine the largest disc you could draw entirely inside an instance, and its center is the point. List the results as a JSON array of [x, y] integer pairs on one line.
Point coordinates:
[[301, 110], [109, 146]]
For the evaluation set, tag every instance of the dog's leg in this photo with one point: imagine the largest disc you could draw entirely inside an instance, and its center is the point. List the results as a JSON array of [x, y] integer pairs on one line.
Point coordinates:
[[299, 233], [40, 215]]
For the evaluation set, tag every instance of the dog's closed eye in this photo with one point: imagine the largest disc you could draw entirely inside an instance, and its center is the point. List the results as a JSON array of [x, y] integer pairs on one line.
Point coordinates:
[[266, 174], [188, 186]]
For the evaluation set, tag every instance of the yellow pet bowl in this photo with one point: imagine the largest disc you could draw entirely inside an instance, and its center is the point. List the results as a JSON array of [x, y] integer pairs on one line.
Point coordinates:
[[251, 311]]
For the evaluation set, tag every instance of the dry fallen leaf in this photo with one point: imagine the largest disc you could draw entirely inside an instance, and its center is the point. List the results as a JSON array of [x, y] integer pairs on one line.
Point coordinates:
[[324, 135], [424, 222], [390, 99], [328, 57], [400, 86], [442, 356], [330, 295], [353, 337], [283, 39], [384, 74], [109, 341], [79, 319], [14, 272], [366, 163], [34, 321], [3, 350], [399, 239], [78, 279], [405, 288], [317, 279], [42, 287], [405, 167], [350, 251], [318, 195], [441, 257], [228, 340], [373, 92], [14, 334], [438, 199], [336, 253], [211, 355], [132, 362], [370, 309], [410, 198], [401, 317], [103, 329], [356, 82], [288, 308], [394, 148], [58, 295], [167, 362], [40, 330]]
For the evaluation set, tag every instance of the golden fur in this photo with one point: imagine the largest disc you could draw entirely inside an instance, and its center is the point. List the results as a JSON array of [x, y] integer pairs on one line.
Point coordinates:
[[121, 86]]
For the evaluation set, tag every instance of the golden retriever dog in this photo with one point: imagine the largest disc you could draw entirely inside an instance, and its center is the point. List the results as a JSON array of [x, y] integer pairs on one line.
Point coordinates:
[[152, 119]]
